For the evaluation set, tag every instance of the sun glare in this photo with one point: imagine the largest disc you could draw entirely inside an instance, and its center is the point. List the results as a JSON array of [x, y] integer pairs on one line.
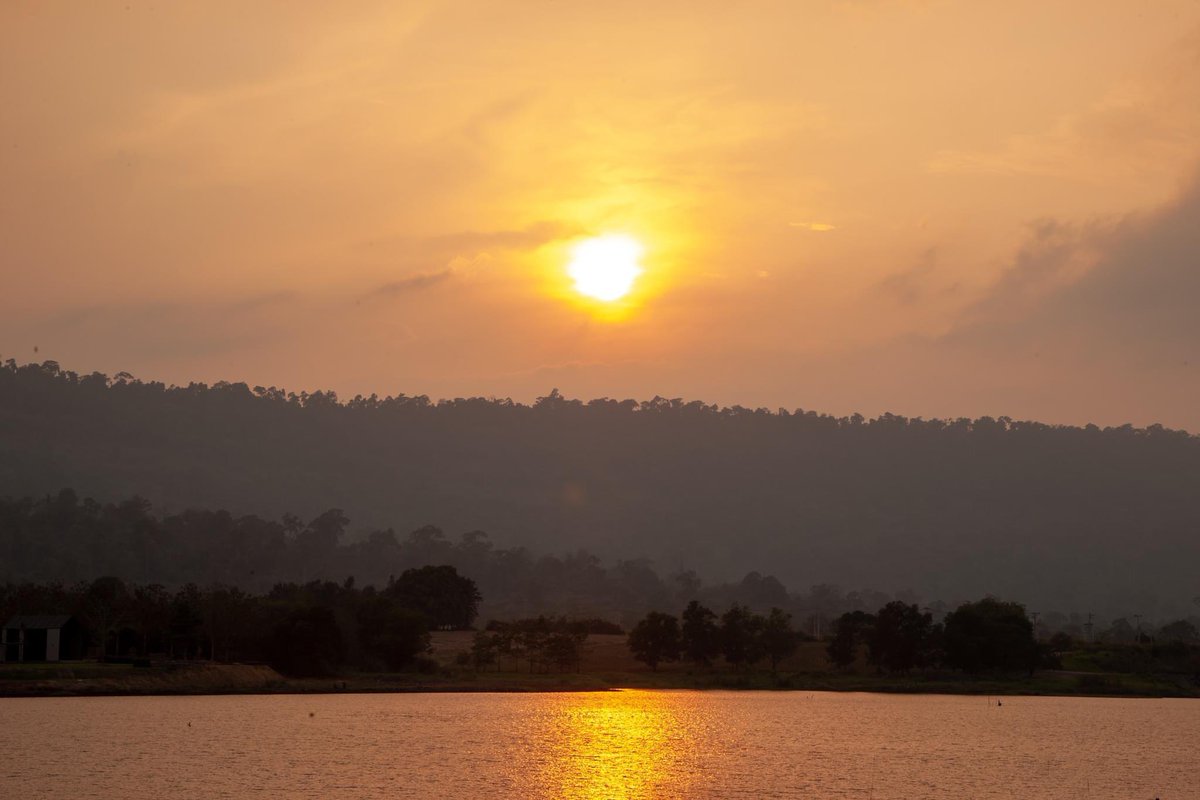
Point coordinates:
[[605, 267]]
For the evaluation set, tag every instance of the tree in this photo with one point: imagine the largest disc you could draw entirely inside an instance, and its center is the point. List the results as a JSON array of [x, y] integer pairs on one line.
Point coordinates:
[[150, 611], [1120, 631], [740, 643], [319, 540], [700, 637], [562, 648], [185, 621], [989, 635], [508, 644], [447, 599], [226, 611], [1179, 631], [485, 649], [902, 638], [1061, 642], [107, 604], [306, 641], [531, 636], [777, 637], [850, 631], [655, 639], [391, 633], [289, 446]]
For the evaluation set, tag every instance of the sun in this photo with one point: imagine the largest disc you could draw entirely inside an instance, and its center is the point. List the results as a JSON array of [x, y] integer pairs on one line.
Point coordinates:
[[605, 267]]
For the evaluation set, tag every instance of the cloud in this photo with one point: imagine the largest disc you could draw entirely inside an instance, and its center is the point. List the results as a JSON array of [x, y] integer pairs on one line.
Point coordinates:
[[259, 301], [913, 284], [531, 236], [412, 283], [815, 227], [1090, 321], [1131, 284], [161, 330]]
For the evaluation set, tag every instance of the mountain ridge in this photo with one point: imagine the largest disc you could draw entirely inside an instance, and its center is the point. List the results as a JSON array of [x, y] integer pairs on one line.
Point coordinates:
[[1065, 516]]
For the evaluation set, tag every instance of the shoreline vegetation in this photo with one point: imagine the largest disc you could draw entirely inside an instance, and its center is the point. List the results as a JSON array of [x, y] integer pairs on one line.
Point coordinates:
[[606, 667], [421, 633]]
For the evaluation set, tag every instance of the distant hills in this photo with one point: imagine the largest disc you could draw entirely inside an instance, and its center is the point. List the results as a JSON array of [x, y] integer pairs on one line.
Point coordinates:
[[1060, 517]]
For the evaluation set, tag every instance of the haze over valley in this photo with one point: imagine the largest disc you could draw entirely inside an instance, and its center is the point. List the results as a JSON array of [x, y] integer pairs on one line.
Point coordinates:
[[1064, 518]]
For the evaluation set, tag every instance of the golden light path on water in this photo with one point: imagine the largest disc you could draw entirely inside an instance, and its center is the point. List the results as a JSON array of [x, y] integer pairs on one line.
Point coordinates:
[[618, 745]]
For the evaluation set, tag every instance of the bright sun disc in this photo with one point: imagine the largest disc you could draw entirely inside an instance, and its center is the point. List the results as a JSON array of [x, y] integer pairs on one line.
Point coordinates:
[[604, 268]]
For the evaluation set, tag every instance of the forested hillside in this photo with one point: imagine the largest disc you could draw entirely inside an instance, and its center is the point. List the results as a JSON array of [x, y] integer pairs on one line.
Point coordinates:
[[1062, 517]]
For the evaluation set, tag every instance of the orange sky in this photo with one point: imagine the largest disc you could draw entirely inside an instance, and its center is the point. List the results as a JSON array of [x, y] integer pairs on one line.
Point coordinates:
[[930, 208]]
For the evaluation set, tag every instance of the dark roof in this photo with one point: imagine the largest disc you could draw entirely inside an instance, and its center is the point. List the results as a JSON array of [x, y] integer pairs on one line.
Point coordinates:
[[38, 621]]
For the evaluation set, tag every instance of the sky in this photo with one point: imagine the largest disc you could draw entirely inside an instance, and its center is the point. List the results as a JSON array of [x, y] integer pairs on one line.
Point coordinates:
[[935, 209]]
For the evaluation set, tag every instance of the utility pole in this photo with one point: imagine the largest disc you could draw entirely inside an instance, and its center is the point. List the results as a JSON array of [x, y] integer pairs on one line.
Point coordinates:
[[1088, 628], [1035, 615], [1137, 618]]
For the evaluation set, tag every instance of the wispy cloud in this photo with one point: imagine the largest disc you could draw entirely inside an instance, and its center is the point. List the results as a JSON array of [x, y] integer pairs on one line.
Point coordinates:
[[165, 329], [534, 235], [913, 284], [412, 283], [1130, 286], [816, 227]]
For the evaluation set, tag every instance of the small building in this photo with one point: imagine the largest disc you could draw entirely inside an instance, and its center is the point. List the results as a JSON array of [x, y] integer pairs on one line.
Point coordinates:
[[41, 637]]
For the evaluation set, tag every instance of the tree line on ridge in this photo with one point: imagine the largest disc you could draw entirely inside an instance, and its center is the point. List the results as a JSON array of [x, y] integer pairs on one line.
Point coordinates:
[[1068, 518]]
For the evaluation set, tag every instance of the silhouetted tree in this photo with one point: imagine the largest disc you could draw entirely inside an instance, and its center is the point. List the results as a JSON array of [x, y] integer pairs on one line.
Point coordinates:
[[225, 613], [655, 639], [777, 637], [485, 648], [1179, 631], [700, 636], [740, 641], [150, 612], [107, 604], [531, 638], [561, 648], [306, 642], [1120, 631], [186, 620], [446, 598], [1061, 642], [902, 637], [850, 631], [319, 540], [390, 632], [989, 635]]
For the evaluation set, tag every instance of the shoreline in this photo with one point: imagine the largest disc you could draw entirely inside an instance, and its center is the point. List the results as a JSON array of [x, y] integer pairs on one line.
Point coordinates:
[[199, 679]]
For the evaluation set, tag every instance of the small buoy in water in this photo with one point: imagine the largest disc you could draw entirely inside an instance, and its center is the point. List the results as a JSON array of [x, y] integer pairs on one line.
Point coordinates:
[[189, 724], [998, 703], [312, 713]]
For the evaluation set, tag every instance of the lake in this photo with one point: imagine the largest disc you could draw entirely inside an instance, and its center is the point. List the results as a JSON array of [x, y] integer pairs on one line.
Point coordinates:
[[632, 744]]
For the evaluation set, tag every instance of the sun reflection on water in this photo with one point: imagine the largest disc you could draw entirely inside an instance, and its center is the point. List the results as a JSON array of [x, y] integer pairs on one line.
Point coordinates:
[[618, 745]]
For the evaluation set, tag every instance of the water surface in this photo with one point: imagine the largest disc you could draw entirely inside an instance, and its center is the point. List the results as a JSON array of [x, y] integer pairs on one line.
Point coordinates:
[[636, 744]]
